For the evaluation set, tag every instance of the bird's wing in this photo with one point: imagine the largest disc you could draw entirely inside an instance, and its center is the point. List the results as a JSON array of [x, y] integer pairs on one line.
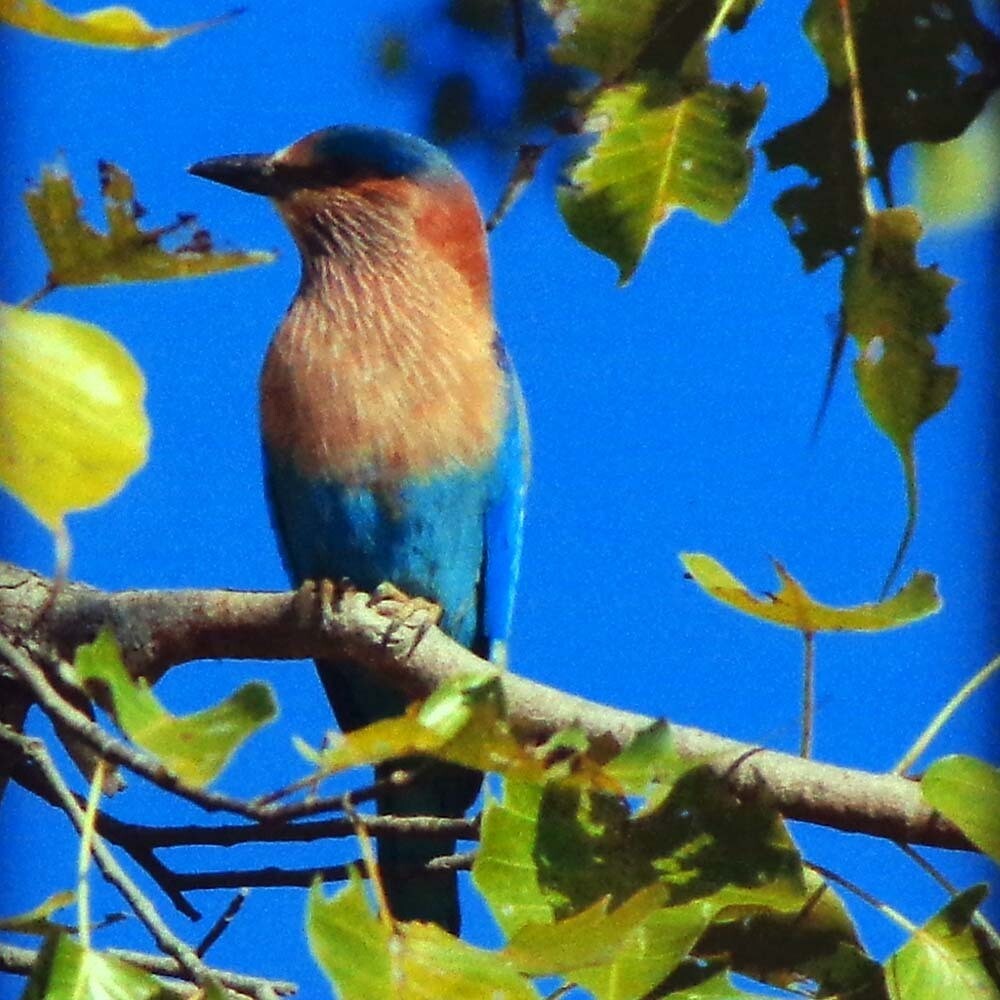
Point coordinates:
[[504, 523]]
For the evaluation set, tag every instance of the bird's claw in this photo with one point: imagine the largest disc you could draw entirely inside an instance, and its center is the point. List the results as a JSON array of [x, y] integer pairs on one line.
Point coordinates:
[[414, 612], [319, 599]]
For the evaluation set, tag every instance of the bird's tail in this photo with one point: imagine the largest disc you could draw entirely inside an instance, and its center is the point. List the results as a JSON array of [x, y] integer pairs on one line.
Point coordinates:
[[412, 891]]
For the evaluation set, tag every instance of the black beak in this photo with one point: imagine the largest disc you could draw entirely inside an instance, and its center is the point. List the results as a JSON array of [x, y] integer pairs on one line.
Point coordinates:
[[252, 172]]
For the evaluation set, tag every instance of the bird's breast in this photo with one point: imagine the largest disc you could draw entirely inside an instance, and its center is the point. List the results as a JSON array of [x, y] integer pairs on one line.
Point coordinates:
[[381, 374]]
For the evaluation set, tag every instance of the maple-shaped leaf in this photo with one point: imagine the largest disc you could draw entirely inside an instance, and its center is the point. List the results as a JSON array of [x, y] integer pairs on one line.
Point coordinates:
[[794, 608], [927, 86], [80, 255], [366, 958], [109, 27]]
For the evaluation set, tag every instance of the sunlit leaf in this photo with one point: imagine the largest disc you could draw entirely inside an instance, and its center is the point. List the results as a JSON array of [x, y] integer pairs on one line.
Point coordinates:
[[650, 757], [67, 971], [613, 39], [72, 424], [792, 607], [365, 959], [464, 722], [658, 150], [893, 308], [549, 852], [80, 255], [195, 747], [36, 920], [967, 791], [616, 954], [114, 27], [592, 937], [943, 958]]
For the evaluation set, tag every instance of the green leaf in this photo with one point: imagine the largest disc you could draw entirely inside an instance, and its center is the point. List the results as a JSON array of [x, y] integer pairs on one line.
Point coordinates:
[[67, 971], [113, 27], [967, 791], [72, 424], [592, 937], [547, 853], [927, 86], [36, 920], [893, 308], [943, 959], [614, 40], [658, 149], [650, 757], [793, 608], [80, 255], [817, 942], [616, 954], [195, 747], [366, 959], [464, 722], [703, 980]]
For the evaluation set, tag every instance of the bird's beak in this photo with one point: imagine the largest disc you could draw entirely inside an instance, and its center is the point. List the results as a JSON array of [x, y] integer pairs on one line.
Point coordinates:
[[253, 172]]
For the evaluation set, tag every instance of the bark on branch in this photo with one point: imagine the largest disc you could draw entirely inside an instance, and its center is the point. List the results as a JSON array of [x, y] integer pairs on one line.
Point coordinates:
[[160, 629]]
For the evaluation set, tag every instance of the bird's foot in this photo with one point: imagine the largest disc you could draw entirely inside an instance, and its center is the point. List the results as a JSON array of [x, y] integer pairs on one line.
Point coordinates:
[[404, 611], [318, 599]]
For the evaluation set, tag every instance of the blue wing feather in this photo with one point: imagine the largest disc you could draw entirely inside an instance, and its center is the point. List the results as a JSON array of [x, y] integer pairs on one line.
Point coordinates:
[[503, 525]]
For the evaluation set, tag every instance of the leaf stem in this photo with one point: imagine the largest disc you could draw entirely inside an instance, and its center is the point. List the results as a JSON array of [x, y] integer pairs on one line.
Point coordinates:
[[863, 894], [720, 19], [87, 836], [36, 297], [977, 918], [944, 715], [808, 693], [857, 108]]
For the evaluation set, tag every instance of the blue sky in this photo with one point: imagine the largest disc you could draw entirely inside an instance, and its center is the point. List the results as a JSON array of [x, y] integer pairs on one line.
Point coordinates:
[[671, 415]]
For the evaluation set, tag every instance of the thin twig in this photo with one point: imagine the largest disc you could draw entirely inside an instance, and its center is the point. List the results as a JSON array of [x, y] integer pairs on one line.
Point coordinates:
[[20, 961], [28, 778], [942, 718], [808, 693], [165, 939], [528, 157], [224, 922], [863, 894], [949, 887]]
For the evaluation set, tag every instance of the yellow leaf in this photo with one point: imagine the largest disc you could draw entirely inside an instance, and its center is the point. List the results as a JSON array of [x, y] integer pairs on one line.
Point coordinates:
[[112, 27], [80, 255], [792, 607], [464, 722], [72, 424]]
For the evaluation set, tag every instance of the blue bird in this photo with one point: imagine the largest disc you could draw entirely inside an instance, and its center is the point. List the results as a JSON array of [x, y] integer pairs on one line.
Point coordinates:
[[394, 432]]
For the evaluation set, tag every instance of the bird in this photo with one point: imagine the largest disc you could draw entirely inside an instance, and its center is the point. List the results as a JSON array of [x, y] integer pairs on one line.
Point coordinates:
[[394, 434]]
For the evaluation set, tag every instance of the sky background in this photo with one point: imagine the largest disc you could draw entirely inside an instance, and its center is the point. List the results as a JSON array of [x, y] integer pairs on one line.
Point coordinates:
[[672, 415]]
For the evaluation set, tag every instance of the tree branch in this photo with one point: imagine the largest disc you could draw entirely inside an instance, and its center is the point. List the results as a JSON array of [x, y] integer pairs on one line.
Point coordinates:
[[160, 629], [20, 961]]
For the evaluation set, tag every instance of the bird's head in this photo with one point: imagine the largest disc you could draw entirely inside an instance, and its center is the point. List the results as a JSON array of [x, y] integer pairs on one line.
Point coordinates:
[[353, 188]]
